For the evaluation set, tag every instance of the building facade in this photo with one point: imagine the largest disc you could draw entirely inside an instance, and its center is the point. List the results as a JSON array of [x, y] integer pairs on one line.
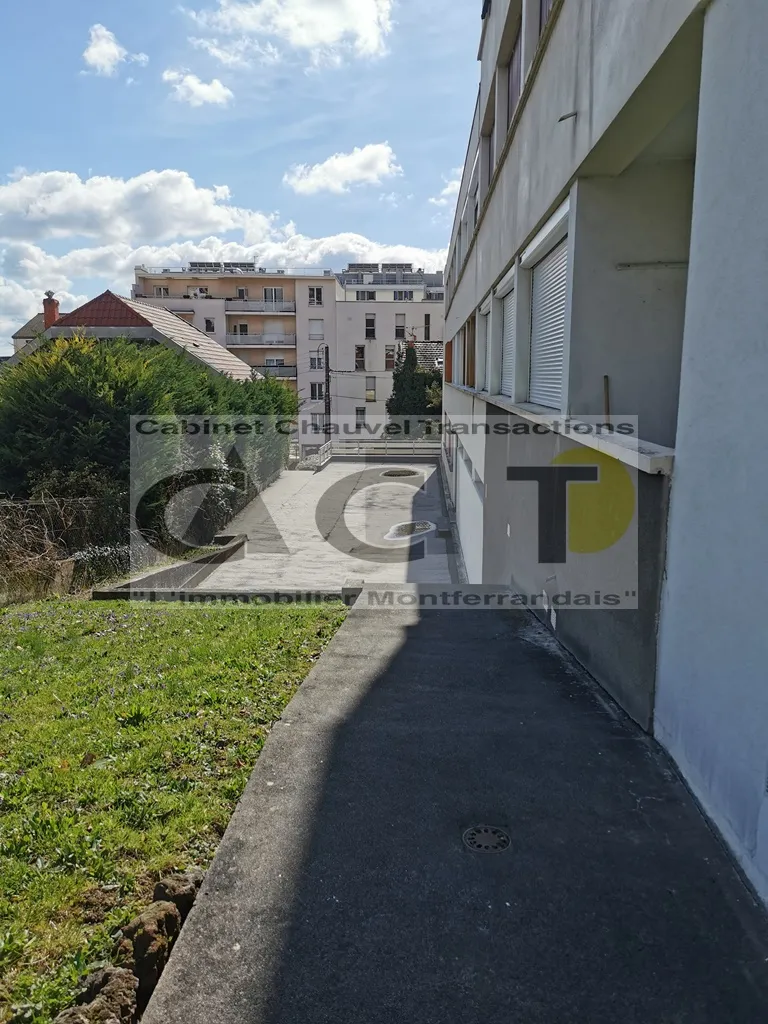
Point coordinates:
[[276, 321], [380, 308], [607, 263], [280, 322]]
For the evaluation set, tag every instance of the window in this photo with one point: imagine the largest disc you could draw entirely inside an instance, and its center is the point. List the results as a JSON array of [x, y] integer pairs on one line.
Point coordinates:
[[201, 292], [242, 293], [318, 422], [274, 361], [389, 357], [210, 326], [515, 77], [370, 389], [161, 292], [549, 289], [370, 326], [508, 337], [273, 294], [316, 392], [366, 296], [359, 357], [315, 296], [491, 151], [400, 326], [316, 363], [437, 296], [360, 416], [427, 327], [316, 330], [403, 296]]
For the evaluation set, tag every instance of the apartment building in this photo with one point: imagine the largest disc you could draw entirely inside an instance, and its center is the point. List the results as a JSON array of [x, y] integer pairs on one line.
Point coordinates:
[[380, 308], [276, 321], [280, 321], [608, 263]]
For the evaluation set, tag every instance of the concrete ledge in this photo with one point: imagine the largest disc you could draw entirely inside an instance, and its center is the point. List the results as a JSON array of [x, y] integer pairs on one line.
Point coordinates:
[[186, 574]]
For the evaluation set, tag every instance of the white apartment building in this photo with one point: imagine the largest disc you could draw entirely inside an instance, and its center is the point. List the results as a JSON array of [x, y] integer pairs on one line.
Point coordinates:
[[379, 309], [608, 259], [280, 321]]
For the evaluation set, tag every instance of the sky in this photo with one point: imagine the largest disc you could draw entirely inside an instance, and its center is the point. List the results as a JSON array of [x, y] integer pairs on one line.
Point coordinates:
[[290, 132]]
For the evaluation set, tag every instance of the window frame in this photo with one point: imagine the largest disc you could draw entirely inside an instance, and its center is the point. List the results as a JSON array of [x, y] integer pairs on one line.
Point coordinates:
[[315, 295], [365, 296], [390, 356], [368, 329], [317, 391], [212, 322], [274, 289], [370, 392], [360, 358], [316, 336]]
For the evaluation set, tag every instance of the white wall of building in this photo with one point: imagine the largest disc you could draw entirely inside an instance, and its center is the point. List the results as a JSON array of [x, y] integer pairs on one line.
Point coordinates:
[[631, 242], [712, 698]]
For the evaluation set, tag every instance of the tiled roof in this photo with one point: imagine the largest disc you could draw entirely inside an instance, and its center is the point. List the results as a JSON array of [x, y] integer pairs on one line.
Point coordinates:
[[32, 328], [113, 311], [187, 337], [106, 310]]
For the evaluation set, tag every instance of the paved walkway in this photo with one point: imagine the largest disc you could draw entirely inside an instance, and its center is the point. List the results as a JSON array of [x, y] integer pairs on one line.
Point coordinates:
[[343, 893], [289, 548]]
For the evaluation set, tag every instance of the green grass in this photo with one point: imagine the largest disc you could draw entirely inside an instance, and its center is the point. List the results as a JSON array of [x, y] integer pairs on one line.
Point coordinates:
[[127, 734]]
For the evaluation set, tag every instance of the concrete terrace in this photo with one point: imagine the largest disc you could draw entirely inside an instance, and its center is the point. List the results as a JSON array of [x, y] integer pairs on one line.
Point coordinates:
[[290, 547], [343, 892]]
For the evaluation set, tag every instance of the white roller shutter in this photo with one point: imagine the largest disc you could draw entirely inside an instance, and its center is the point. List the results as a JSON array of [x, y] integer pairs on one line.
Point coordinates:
[[548, 303], [509, 314]]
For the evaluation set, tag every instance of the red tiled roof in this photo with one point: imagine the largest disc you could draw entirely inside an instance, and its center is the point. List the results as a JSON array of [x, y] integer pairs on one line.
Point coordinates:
[[106, 310]]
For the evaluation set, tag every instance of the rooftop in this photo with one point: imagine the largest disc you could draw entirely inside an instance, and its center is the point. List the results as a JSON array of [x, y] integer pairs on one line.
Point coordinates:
[[236, 269]]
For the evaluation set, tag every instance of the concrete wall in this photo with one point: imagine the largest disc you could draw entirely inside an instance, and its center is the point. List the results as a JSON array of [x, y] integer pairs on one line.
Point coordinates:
[[593, 61], [617, 646], [712, 710], [628, 323]]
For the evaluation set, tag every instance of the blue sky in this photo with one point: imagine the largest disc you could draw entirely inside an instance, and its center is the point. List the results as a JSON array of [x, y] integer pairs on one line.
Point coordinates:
[[295, 132]]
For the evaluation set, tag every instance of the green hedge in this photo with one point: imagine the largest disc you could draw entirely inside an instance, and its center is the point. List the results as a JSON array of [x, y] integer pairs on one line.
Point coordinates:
[[65, 418]]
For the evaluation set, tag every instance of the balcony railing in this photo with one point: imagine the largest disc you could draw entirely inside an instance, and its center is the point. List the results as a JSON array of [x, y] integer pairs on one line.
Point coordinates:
[[239, 340], [276, 371], [236, 269], [259, 306]]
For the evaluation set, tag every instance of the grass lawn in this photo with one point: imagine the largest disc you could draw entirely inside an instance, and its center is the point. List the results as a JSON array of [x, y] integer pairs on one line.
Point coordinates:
[[127, 734]]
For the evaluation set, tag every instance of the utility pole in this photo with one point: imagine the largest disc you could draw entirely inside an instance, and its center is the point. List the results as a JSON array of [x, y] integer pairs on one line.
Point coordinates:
[[327, 392]]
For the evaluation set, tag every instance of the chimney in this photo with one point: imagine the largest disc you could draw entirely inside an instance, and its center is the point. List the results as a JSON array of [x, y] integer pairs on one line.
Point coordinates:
[[50, 310]]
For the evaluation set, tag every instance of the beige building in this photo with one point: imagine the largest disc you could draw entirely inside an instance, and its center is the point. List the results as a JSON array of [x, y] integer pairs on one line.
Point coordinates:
[[276, 321]]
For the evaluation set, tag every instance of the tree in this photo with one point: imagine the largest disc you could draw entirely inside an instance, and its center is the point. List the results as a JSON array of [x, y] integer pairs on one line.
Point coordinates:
[[413, 388]]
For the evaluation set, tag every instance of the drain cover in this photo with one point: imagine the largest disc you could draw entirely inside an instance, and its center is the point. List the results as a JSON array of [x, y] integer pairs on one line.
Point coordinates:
[[404, 530], [487, 839], [400, 472]]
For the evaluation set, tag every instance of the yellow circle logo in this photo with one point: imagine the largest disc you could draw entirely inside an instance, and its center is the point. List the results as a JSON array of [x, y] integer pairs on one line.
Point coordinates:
[[599, 514]]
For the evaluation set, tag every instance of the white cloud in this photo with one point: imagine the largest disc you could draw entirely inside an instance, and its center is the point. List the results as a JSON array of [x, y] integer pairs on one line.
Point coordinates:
[[452, 185], [104, 54], [188, 88], [238, 53], [155, 205], [160, 218], [368, 165], [324, 28]]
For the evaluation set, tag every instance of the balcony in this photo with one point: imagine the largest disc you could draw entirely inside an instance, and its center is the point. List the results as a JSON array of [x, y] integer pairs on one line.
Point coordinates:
[[255, 340], [259, 306], [288, 372], [241, 269]]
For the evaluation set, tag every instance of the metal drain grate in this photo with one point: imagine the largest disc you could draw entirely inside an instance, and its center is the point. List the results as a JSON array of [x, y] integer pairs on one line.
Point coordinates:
[[487, 839], [404, 530], [400, 472]]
